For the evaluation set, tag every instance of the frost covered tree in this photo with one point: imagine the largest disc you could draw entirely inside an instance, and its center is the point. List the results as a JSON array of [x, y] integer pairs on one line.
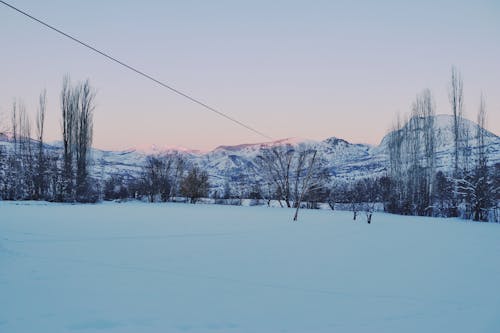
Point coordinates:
[[303, 184], [495, 191], [443, 195], [412, 159], [275, 164], [479, 184], [286, 168]]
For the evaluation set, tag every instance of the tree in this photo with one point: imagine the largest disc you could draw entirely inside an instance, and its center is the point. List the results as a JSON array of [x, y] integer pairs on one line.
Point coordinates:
[[195, 185], [307, 183], [156, 177], [83, 139], [40, 182], [412, 159], [285, 170], [115, 188], [275, 164], [443, 195], [481, 181], [456, 97], [69, 104], [396, 173], [495, 191], [77, 106], [161, 176]]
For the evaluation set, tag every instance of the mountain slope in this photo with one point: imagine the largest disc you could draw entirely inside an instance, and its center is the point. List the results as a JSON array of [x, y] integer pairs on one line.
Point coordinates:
[[343, 159]]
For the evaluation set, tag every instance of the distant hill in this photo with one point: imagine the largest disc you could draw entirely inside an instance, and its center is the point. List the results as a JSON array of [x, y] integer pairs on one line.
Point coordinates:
[[343, 159]]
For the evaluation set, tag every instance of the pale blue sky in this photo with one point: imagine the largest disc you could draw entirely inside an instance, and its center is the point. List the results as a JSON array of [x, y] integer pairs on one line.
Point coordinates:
[[310, 69]]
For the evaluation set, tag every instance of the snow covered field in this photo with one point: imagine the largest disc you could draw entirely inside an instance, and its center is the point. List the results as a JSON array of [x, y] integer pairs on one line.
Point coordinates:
[[203, 268]]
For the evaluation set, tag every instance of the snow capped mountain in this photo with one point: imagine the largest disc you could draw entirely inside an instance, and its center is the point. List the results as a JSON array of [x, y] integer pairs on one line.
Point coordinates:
[[444, 141], [343, 159], [164, 149]]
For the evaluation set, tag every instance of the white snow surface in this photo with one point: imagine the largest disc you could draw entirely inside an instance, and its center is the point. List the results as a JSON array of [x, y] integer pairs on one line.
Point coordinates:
[[137, 267]]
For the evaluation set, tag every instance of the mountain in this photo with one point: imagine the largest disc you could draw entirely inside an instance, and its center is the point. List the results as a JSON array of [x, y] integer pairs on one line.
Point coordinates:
[[343, 159]]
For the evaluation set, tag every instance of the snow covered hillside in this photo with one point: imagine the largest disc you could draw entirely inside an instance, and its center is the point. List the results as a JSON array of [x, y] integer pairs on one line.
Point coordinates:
[[202, 268], [343, 159]]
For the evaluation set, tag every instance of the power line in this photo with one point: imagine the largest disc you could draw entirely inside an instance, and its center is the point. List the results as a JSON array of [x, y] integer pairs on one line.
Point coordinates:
[[192, 99]]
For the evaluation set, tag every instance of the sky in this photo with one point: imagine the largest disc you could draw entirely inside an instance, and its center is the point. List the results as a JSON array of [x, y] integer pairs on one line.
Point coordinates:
[[304, 69]]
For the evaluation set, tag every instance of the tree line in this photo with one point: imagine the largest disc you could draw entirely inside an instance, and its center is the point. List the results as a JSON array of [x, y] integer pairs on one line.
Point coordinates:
[[31, 170], [294, 176], [470, 190], [163, 178]]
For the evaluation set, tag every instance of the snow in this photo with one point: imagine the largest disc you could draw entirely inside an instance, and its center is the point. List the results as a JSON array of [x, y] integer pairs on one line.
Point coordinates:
[[344, 160], [137, 267]]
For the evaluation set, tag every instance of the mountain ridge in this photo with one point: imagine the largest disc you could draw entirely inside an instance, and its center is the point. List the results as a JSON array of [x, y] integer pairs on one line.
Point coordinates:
[[342, 159]]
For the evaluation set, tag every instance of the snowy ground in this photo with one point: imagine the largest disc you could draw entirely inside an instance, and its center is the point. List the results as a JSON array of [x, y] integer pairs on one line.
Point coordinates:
[[203, 268]]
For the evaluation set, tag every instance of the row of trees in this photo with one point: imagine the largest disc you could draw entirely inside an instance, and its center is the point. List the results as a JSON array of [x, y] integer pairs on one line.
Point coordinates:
[[31, 170], [468, 190], [294, 176], [163, 178]]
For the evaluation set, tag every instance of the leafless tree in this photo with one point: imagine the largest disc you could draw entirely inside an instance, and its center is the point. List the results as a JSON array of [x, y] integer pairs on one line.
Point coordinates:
[[69, 105], [395, 147], [83, 137], [177, 172], [276, 166], [305, 184], [40, 184], [480, 128], [423, 110], [295, 173], [482, 187], [14, 125], [156, 177], [195, 185], [412, 158], [77, 105], [25, 151], [456, 98]]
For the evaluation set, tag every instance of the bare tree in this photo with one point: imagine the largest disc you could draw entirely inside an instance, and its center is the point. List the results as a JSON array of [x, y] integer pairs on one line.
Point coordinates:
[[69, 104], [395, 147], [423, 110], [83, 138], [77, 105], [456, 98], [178, 169], [275, 163], [307, 182], [157, 177], [285, 169], [482, 186], [482, 156], [412, 159], [40, 184], [195, 185], [14, 124], [25, 151]]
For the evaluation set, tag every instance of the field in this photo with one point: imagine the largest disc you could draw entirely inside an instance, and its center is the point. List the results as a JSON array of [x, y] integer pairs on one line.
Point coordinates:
[[138, 267]]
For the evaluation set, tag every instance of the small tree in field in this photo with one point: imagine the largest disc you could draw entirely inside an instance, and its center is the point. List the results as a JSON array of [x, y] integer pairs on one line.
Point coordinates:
[[195, 185]]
